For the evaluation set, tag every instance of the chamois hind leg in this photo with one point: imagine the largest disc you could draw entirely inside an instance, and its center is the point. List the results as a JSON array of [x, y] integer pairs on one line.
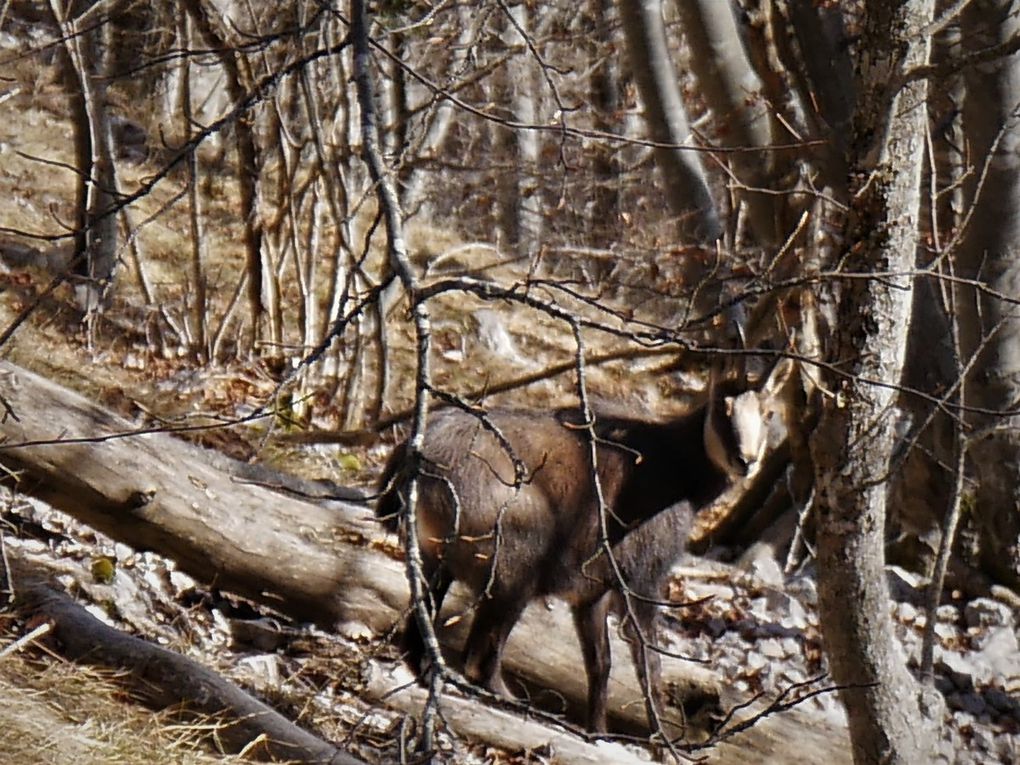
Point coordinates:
[[438, 582], [483, 652], [593, 634]]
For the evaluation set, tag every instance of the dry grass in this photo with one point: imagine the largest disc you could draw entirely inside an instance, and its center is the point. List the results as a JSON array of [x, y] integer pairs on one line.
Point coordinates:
[[61, 713], [34, 151]]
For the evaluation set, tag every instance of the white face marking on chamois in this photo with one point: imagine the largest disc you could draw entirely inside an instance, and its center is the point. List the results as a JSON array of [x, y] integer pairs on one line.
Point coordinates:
[[744, 416], [749, 425]]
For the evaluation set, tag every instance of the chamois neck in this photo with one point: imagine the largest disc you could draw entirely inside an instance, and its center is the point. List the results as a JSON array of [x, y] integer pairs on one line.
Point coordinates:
[[659, 464], [699, 480]]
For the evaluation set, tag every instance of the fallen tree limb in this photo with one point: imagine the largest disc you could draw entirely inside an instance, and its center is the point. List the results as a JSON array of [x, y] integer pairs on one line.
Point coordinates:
[[165, 679], [155, 492], [324, 562], [504, 729]]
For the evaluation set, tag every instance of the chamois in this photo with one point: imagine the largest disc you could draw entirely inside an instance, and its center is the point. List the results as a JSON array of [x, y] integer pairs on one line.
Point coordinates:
[[512, 540]]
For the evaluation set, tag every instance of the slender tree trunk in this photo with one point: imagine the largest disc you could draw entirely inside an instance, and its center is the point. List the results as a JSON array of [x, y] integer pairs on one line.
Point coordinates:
[[733, 91], [247, 163], [604, 86], [853, 444], [681, 170], [416, 174], [523, 214], [85, 55], [332, 151], [926, 484], [195, 317], [990, 254]]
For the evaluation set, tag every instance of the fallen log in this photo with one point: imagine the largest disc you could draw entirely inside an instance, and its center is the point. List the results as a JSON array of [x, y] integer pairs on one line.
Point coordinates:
[[166, 679], [155, 492], [326, 562], [495, 726]]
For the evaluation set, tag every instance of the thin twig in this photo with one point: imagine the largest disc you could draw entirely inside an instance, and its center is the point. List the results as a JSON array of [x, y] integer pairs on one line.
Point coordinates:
[[24, 640]]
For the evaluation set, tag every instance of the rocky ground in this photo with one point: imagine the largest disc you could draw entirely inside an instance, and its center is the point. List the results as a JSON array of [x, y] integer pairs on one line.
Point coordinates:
[[762, 632], [759, 631]]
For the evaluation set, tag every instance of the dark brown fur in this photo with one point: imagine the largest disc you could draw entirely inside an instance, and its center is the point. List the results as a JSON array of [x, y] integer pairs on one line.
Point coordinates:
[[653, 476]]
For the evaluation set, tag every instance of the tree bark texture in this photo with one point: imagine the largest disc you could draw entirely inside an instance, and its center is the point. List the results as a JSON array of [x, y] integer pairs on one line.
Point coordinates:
[[523, 212], [989, 314], [854, 442], [248, 162], [604, 86], [85, 56], [324, 562]]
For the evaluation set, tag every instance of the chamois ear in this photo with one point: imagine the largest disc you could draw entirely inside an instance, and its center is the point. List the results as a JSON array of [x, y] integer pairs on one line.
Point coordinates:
[[776, 396], [778, 376]]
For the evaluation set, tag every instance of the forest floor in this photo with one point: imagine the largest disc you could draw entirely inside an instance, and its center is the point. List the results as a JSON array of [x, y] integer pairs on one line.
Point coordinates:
[[758, 629]]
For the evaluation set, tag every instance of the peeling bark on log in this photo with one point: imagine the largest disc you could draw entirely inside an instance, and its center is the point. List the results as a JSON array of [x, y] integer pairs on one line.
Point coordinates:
[[155, 492], [164, 678], [321, 562]]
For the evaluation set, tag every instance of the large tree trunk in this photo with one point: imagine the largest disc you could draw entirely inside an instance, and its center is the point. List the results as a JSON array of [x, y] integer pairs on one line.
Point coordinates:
[[989, 315], [853, 444], [680, 169], [319, 562]]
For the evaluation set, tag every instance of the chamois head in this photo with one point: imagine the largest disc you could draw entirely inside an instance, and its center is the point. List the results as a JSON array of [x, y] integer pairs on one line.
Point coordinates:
[[735, 433], [736, 421]]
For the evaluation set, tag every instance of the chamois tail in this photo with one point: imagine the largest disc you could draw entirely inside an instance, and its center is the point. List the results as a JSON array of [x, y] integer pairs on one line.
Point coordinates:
[[387, 507]]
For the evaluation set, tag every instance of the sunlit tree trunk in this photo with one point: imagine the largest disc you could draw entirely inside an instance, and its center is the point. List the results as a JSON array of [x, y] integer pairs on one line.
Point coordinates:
[[733, 91], [523, 85], [86, 51], [195, 316], [989, 315], [924, 487], [680, 169], [248, 163], [853, 444]]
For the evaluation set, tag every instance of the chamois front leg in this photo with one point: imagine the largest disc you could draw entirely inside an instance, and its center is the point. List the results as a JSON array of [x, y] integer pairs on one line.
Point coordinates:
[[593, 634]]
